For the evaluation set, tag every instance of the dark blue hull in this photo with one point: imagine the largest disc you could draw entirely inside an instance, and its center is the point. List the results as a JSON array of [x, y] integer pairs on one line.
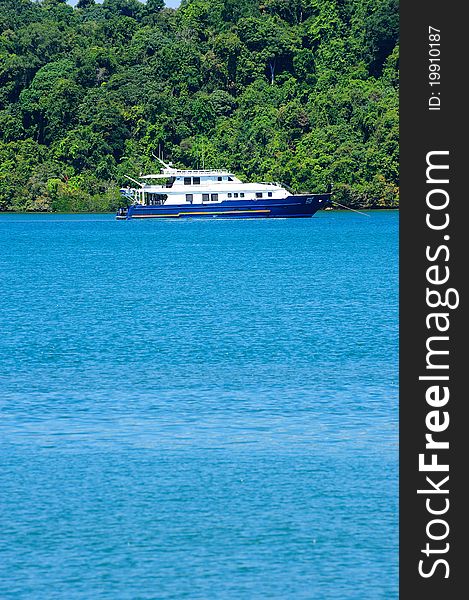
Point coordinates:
[[304, 205]]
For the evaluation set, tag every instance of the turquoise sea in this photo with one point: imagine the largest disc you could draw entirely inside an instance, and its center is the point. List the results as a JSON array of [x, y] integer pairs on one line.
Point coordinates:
[[199, 409]]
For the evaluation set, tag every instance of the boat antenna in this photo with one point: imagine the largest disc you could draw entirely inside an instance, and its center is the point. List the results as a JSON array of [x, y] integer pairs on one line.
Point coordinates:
[[163, 163]]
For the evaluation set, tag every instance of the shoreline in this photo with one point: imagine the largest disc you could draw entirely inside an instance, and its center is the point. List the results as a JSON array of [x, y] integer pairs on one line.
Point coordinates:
[[42, 213]]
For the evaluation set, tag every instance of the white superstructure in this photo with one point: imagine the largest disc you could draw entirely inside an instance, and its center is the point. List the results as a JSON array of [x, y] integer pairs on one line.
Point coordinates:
[[180, 186]]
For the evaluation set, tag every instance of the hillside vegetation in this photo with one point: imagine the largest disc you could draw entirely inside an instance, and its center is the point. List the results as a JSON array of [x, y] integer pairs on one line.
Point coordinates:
[[299, 91]]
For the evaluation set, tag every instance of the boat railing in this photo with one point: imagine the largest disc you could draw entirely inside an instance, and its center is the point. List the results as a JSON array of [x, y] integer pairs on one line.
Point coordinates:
[[287, 187], [191, 172]]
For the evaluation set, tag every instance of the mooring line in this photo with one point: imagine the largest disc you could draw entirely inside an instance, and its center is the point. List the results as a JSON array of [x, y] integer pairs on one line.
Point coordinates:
[[348, 208]]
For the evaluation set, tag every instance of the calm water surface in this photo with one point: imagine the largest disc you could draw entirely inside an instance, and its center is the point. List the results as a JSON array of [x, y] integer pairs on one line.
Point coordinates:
[[198, 409]]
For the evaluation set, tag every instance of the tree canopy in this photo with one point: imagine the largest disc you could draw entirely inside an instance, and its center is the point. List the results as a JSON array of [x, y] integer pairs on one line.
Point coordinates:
[[299, 91]]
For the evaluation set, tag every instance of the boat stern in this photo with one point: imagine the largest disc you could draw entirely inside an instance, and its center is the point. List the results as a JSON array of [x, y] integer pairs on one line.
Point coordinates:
[[122, 214]]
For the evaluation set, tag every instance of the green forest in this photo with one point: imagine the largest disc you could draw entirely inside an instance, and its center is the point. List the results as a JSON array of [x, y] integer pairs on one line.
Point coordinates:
[[299, 91]]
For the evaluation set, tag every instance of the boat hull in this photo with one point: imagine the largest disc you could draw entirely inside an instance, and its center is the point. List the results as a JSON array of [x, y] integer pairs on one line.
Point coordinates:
[[304, 205]]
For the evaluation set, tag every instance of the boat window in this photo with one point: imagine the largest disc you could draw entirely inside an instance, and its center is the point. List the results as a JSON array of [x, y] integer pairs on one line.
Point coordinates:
[[187, 180], [157, 199], [220, 179], [236, 195], [230, 195], [270, 194], [189, 198], [214, 197], [196, 181], [258, 194], [242, 195], [205, 197], [230, 178]]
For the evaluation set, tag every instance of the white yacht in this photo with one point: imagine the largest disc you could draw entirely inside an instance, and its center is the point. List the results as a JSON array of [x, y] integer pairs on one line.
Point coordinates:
[[177, 193]]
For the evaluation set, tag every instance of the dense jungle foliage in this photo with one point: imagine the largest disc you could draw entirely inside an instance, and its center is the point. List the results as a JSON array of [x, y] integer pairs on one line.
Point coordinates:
[[299, 91]]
